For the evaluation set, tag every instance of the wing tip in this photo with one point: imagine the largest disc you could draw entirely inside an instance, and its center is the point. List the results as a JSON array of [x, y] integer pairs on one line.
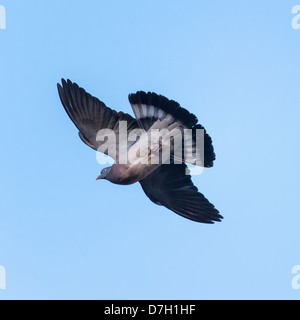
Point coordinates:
[[208, 220], [66, 82], [209, 152]]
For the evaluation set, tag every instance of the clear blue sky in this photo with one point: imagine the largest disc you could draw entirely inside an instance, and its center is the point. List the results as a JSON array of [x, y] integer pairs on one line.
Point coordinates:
[[235, 64]]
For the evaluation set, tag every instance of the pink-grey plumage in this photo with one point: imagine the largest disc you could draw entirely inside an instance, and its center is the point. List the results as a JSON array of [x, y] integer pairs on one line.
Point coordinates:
[[168, 185]]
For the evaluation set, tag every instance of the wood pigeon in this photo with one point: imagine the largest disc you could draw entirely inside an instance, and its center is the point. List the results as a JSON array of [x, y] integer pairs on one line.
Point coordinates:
[[166, 183]]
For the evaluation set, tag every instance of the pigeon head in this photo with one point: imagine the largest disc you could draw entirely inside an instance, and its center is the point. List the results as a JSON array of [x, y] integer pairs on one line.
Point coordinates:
[[104, 173]]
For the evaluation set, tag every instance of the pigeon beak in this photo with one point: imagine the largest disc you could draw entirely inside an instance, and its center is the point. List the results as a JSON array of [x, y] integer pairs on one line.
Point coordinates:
[[99, 178]]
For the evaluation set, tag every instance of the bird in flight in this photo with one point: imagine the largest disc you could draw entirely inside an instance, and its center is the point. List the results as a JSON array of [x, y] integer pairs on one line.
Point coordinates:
[[137, 146]]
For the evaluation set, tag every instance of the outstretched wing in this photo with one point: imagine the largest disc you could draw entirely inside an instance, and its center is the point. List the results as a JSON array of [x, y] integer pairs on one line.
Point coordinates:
[[171, 186], [90, 115], [151, 107]]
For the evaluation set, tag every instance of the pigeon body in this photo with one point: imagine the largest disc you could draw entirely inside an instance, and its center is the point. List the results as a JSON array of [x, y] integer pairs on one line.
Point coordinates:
[[139, 157]]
